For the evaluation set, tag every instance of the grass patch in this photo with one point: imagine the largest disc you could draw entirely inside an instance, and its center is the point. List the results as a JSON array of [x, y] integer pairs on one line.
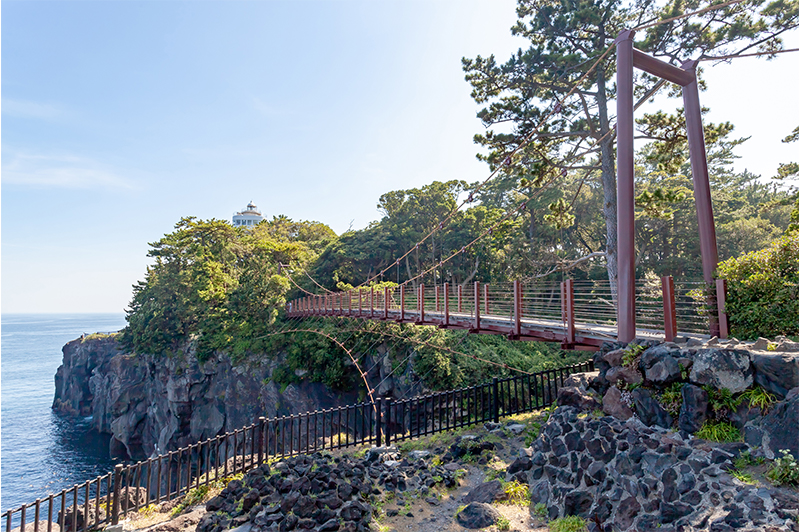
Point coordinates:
[[719, 432], [540, 510], [441, 439], [503, 523], [743, 476], [573, 523], [98, 336], [758, 397], [193, 497]]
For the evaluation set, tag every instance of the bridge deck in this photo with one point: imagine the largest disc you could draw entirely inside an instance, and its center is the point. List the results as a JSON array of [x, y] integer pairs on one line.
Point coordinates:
[[585, 336]]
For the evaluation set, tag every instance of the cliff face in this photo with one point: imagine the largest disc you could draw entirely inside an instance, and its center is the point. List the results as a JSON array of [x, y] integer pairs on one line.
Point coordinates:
[[153, 404]]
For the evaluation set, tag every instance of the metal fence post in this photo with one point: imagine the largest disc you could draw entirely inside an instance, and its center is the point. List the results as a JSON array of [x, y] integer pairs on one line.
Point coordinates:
[[261, 422], [379, 423], [116, 502], [495, 401], [388, 421]]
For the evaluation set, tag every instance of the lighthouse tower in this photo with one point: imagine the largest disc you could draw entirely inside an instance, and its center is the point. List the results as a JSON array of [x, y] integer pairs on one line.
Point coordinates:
[[248, 217]]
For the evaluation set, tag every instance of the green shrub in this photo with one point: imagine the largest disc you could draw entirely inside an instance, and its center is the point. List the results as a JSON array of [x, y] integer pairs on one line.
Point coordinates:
[[573, 523], [672, 399], [784, 470], [722, 401], [762, 290], [517, 493]]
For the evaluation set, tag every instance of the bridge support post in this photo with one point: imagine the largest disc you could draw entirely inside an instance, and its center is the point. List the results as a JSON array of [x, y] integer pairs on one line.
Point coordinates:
[[670, 316], [477, 324], [386, 303], [460, 309], [436, 296], [626, 267], [359, 303], [421, 303], [722, 293], [517, 328], [446, 321], [372, 303], [486, 299], [349, 302], [568, 311], [402, 303]]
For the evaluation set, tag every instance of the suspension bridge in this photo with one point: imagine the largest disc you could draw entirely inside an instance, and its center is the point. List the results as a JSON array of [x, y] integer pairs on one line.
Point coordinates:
[[579, 315]]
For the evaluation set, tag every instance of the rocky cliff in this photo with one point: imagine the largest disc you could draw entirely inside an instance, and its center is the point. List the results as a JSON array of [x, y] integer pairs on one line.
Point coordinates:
[[153, 404]]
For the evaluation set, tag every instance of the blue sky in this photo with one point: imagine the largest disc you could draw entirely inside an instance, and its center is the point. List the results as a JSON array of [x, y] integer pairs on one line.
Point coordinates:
[[120, 117]]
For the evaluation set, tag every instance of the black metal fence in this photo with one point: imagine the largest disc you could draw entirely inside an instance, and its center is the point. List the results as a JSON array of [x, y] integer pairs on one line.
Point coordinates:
[[165, 477]]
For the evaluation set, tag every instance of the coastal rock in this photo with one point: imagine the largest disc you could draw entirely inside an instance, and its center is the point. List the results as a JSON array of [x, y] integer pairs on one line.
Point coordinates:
[[153, 404]]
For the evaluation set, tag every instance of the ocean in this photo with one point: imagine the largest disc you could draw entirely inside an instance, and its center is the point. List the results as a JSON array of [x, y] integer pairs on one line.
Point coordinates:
[[41, 452]]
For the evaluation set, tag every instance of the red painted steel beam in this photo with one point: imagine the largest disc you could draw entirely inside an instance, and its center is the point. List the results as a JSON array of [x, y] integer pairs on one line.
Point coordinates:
[[662, 69], [670, 316], [722, 293], [446, 321], [402, 303], [626, 268], [517, 330], [421, 304], [477, 323], [570, 297]]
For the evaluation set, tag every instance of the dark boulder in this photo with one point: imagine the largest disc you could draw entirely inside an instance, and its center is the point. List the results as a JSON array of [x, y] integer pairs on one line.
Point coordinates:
[[723, 368], [649, 411], [776, 372], [613, 405], [573, 396], [694, 410], [477, 515], [488, 492]]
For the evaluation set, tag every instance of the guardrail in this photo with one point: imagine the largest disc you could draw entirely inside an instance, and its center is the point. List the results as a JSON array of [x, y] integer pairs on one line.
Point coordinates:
[[131, 487], [578, 314]]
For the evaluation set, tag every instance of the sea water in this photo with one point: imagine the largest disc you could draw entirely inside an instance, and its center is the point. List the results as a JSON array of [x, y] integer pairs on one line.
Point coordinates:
[[42, 452]]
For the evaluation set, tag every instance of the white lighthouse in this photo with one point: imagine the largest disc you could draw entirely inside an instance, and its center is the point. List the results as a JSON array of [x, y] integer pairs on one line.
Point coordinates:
[[248, 217]]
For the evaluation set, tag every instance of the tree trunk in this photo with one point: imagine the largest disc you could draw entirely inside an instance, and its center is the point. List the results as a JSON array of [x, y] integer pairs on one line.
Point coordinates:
[[609, 179]]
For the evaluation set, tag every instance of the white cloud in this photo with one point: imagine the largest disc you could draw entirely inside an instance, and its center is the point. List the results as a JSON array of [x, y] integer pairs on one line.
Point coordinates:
[[60, 171], [29, 109]]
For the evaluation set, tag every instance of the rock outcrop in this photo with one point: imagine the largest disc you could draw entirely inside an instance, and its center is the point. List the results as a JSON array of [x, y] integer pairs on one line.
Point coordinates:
[[698, 384], [153, 404]]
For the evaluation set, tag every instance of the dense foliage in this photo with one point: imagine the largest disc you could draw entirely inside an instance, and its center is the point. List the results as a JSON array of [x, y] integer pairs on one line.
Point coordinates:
[[217, 284], [763, 290]]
